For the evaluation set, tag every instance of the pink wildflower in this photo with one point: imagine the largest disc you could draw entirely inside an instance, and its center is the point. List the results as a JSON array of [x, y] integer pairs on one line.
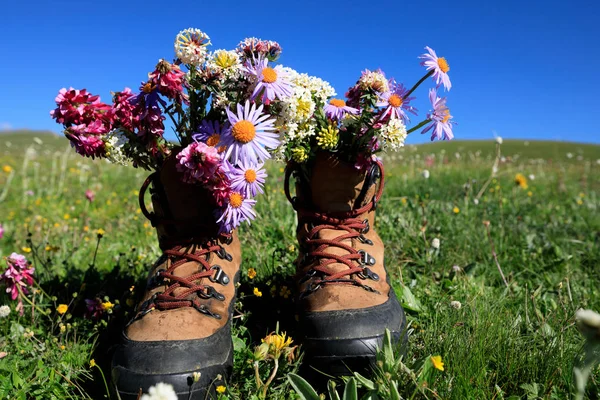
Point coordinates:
[[1, 231], [88, 146], [198, 162], [221, 189], [168, 79], [17, 275], [123, 109], [75, 107], [89, 195]]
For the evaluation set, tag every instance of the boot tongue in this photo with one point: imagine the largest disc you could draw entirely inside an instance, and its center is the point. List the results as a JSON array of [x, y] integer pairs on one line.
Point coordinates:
[[335, 185]]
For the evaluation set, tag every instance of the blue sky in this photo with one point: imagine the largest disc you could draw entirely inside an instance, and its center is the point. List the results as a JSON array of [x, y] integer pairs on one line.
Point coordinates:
[[524, 69]]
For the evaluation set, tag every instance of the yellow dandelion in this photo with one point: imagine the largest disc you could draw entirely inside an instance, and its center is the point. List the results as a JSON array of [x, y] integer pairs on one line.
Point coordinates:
[[100, 232], [62, 347], [7, 169], [107, 305], [521, 181], [251, 273], [456, 210], [221, 389], [92, 363], [26, 249], [579, 201], [277, 341], [66, 216], [530, 193], [403, 201], [437, 362], [257, 292], [56, 225], [62, 308]]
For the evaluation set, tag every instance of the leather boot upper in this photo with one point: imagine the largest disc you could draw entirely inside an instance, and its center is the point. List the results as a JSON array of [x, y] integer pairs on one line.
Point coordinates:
[[341, 264], [191, 287]]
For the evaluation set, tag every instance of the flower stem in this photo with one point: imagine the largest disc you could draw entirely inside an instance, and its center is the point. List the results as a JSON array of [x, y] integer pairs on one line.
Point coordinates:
[[104, 379], [271, 377], [414, 128], [257, 375], [412, 89], [22, 295]]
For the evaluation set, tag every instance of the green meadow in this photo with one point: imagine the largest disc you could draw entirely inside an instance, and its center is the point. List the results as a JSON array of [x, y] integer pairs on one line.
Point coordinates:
[[490, 272]]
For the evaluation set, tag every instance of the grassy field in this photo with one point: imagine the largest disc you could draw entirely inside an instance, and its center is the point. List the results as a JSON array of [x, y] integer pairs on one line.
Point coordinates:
[[496, 341]]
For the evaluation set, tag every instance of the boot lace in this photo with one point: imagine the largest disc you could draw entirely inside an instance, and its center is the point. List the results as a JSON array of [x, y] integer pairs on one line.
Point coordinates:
[[357, 261], [192, 288]]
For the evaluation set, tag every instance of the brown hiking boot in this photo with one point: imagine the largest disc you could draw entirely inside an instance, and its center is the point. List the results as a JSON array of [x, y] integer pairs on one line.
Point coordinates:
[[345, 298], [181, 333]]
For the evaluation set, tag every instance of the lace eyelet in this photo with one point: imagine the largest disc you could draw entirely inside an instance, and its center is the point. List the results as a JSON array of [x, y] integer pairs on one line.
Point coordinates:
[[220, 276]]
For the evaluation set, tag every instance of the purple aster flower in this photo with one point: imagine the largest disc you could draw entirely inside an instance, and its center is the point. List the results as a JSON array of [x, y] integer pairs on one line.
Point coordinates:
[[440, 67], [210, 132], [395, 102], [439, 118], [247, 178], [337, 109], [238, 210], [271, 83], [250, 135], [17, 275]]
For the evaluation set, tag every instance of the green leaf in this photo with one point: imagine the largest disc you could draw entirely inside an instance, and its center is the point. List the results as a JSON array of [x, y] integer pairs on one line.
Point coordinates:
[[388, 349], [394, 394], [333, 395], [238, 344], [409, 301], [370, 396], [364, 382], [302, 387], [350, 391]]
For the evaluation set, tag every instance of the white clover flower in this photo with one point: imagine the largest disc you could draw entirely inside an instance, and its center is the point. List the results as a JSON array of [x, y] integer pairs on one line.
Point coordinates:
[[425, 173], [225, 61], [531, 177], [190, 46], [455, 304], [498, 139], [4, 311], [161, 391], [435, 243], [393, 134], [476, 201], [115, 143], [374, 80], [569, 155]]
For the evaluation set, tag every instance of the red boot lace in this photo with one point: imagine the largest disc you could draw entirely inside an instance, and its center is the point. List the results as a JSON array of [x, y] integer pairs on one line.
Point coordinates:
[[179, 252], [357, 261]]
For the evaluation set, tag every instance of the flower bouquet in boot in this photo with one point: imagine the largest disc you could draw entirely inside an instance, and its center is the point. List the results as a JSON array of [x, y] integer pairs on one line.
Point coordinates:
[[222, 107], [345, 299]]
